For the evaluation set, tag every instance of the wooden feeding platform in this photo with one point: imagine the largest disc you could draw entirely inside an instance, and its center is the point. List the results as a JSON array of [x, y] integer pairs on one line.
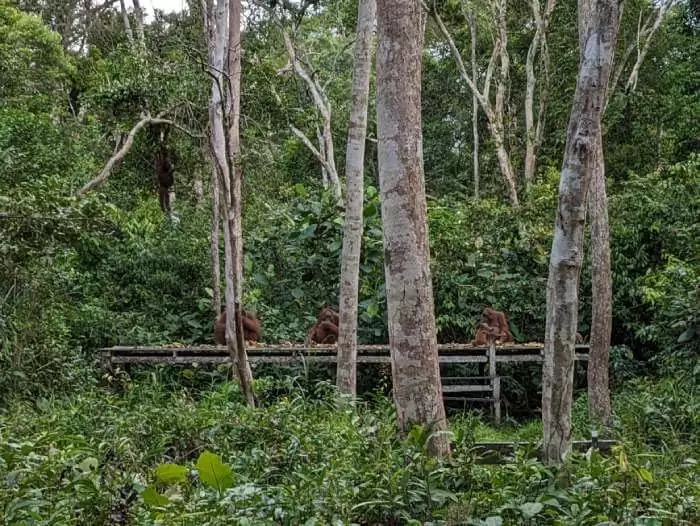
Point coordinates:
[[454, 388]]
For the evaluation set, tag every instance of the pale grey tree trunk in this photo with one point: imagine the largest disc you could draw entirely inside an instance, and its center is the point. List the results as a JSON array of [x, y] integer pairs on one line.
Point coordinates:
[[537, 45], [494, 112], [233, 203], [354, 193], [598, 29], [599, 406], [642, 51], [475, 105], [219, 113], [138, 16], [412, 335], [326, 151], [127, 24], [214, 245]]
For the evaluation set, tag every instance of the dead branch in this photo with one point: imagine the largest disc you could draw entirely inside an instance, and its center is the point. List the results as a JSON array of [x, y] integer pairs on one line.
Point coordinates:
[[310, 146], [146, 118]]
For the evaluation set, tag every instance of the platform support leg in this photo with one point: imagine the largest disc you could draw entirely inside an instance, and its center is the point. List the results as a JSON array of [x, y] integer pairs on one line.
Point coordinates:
[[495, 382]]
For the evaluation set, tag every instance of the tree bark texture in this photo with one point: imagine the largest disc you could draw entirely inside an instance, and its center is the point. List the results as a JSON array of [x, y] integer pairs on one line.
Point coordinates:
[[214, 244], [220, 121], [599, 24], [354, 193], [537, 45], [127, 24], [599, 406], [234, 232], [412, 336], [138, 16], [475, 105]]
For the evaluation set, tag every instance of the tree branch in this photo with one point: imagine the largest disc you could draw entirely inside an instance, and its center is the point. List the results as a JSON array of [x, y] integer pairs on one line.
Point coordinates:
[[126, 146], [310, 146]]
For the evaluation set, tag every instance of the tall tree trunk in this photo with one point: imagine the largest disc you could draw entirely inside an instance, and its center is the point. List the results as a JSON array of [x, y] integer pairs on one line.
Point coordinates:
[[412, 334], [495, 122], [599, 406], [138, 16], [598, 28], [326, 152], [214, 244], [233, 201], [127, 24], [218, 36], [538, 44], [475, 105], [354, 190], [498, 122]]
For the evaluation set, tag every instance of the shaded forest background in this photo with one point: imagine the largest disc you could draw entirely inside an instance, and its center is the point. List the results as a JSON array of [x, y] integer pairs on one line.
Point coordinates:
[[78, 273]]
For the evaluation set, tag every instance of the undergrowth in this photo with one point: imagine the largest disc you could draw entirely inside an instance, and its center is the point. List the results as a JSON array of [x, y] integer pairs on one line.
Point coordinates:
[[157, 453]]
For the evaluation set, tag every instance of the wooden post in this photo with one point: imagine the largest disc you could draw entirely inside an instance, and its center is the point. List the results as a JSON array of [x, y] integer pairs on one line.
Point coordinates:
[[495, 381]]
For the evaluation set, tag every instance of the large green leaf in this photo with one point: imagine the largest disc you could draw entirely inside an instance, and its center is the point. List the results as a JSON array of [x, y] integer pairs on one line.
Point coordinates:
[[213, 472]]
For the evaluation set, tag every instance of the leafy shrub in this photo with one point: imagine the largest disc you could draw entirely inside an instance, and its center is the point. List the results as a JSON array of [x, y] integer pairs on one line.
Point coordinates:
[[184, 456]]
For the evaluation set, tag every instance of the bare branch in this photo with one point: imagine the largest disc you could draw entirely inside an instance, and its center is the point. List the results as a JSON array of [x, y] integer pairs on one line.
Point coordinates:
[[126, 146], [310, 146]]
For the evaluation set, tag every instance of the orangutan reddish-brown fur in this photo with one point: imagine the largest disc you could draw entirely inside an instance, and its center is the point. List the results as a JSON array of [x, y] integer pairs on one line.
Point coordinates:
[[325, 331], [251, 328], [493, 324]]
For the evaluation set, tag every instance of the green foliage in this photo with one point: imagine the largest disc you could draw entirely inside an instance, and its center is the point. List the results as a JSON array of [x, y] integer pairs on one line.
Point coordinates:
[[157, 455], [33, 65]]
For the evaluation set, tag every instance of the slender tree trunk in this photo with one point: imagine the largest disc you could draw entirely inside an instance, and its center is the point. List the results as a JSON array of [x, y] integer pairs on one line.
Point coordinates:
[[412, 334], [598, 28], [498, 124], [495, 124], [599, 406], [538, 44], [127, 24], [354, 190], [138, 15], [214, 243], [642, 52], [475, 105], [234, 136], [544, 94], [218, 36], [233, 202], [326, 148]]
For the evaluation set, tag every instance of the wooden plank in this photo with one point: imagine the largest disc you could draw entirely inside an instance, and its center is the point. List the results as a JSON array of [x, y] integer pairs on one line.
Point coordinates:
[[497, 400], [466, 388], [509, 447], [448, 347]]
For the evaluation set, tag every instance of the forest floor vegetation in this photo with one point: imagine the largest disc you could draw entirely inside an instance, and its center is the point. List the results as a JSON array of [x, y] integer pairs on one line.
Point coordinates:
[[178, 449]]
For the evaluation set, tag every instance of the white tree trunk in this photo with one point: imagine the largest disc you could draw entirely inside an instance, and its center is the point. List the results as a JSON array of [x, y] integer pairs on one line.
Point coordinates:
[[354, 191], [599, 23], [412, 334], [233, 228], [138, 15], [494, 113], [538, 44], [214, 244], [218, 34], [323, 106], [127, 24], [475, 105], [644, 49]]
